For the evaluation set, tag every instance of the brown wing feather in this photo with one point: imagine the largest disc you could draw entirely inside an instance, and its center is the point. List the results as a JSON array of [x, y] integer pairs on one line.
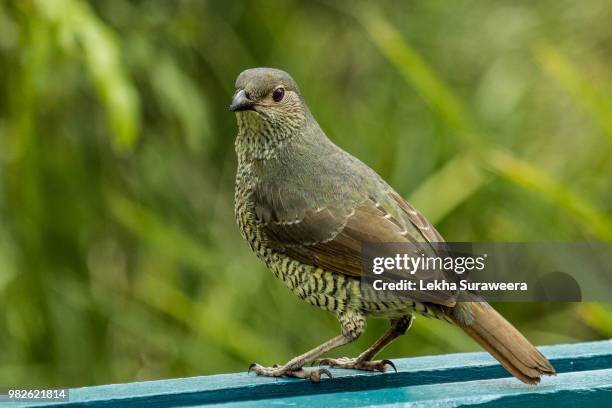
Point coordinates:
[[427, 230], [332, 238]]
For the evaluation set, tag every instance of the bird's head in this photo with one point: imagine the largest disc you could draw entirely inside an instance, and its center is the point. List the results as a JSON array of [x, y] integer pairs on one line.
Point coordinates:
[[268, 99]]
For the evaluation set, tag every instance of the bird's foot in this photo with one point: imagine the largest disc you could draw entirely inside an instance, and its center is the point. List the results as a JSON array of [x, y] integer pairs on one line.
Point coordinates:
[[289, 371], [356, 364]]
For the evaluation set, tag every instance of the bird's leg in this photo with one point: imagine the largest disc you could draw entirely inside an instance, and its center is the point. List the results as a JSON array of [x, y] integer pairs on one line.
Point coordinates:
[[365, 360], [293, 368], [352, 327]]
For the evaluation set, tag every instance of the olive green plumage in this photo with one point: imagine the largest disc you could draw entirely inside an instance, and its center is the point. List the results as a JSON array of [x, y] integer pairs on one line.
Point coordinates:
[[287, 169], [305, 207]]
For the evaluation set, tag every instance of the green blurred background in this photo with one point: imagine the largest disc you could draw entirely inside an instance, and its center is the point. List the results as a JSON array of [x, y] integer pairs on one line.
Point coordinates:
[[120, 259]]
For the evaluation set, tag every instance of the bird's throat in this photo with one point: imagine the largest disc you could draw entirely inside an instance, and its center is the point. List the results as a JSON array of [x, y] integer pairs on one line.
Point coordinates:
[[258, 138]]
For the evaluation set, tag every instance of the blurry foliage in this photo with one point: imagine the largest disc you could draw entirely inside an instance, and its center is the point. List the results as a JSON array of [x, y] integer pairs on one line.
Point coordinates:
[[119, 255]]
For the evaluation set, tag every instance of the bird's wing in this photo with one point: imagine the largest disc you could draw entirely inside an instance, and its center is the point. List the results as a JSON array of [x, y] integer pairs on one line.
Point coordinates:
[[331, 236]]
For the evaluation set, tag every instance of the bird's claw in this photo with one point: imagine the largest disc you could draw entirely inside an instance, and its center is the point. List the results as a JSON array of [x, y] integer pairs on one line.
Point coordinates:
[[322, 371], [278, 371], [389, 363], [356, 364]]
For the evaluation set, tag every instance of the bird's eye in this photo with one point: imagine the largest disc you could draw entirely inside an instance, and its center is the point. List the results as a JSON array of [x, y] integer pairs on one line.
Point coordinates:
[[278, 94]]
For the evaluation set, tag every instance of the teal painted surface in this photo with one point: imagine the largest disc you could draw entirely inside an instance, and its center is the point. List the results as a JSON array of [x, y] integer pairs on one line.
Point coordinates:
[[586, 389], [585, 378]]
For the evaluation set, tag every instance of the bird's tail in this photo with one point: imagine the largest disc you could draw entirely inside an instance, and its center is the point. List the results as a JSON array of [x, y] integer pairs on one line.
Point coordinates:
[[496, 335]]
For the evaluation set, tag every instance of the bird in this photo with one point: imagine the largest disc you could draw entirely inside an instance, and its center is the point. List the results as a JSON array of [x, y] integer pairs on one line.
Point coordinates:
[[305, 207]]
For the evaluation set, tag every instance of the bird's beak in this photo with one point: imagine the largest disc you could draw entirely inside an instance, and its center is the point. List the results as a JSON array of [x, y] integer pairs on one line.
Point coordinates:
[[240, 102]]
